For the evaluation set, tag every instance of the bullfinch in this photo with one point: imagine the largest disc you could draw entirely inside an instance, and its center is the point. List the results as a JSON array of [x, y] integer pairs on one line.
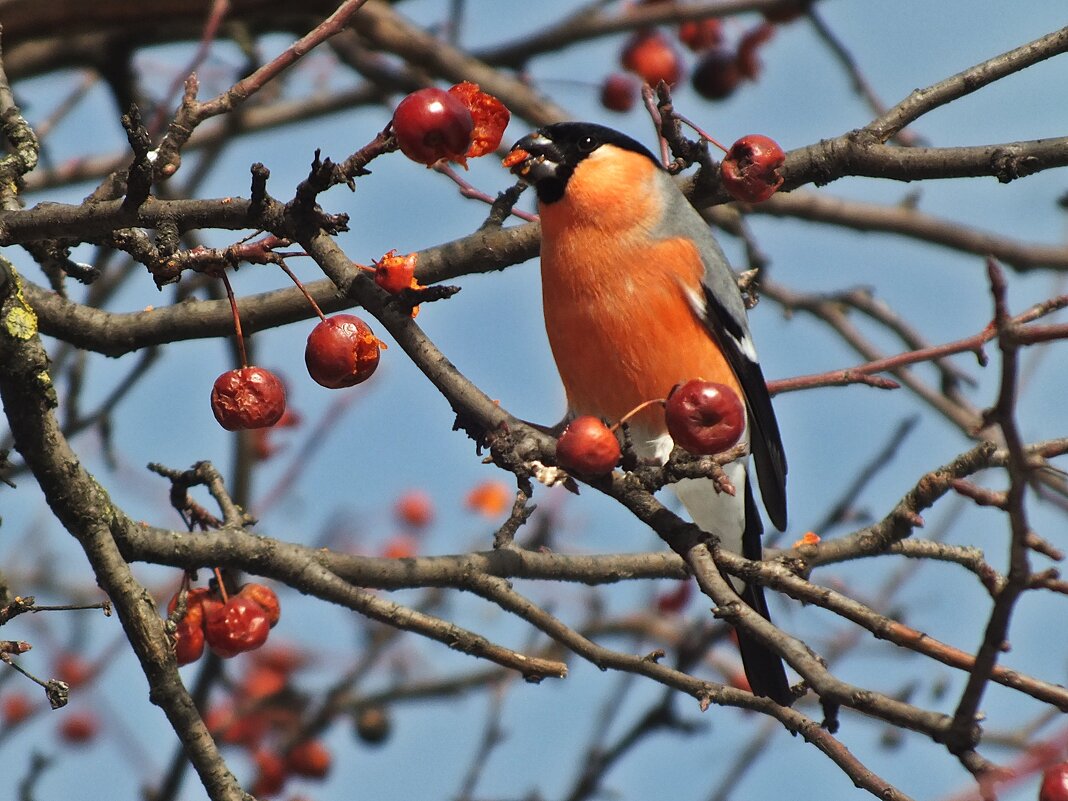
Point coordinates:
[[638, 297]]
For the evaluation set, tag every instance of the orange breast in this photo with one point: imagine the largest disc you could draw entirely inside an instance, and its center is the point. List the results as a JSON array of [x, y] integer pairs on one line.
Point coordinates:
[[619, 321]]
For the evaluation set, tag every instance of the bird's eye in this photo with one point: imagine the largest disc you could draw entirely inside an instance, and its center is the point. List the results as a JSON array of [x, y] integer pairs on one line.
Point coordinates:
[[587, 144]]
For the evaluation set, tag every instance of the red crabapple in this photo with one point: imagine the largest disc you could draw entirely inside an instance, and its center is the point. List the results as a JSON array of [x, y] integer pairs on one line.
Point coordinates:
[[265, 597], [619, 92], [587, 446], [238, 625], [750, 170], [704, 417], [342, 351], [249, 397], [651, 57], [701, 34], [431, 124], [1054, 783], [716, 75], [309, 758]]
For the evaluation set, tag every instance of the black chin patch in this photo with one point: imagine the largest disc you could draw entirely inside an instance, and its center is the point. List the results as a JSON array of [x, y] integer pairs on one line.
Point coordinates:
[[568, 143], [551, 189]]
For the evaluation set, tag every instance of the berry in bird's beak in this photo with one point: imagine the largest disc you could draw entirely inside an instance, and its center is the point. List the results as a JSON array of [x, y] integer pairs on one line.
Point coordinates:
[[533, 157], [517, 161]]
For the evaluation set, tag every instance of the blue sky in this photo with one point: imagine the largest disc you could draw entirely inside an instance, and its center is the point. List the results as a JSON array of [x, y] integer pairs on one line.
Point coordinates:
[[396, 434]]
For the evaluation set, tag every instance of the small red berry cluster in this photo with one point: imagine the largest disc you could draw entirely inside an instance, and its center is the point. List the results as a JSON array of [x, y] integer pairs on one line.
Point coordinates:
[[428, 125], [650, 56], [341, 352], [265, 715], [229, 624], [702, 417]]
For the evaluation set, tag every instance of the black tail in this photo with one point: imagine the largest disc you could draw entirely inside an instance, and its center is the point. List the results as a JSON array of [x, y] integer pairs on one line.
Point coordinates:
[[763, 667]]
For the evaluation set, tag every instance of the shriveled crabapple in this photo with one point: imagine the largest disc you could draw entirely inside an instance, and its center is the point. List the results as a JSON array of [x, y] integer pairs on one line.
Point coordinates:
[[750, 170], [342, 351], [704, 417], [431, 124], [248, 397], [588, 446]]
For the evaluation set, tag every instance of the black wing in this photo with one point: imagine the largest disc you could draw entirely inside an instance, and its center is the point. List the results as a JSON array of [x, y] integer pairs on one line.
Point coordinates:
[[765, 441]]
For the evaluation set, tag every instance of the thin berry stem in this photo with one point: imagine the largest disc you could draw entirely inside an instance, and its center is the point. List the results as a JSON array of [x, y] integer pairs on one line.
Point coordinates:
[[303, 291], [635, 411], [237, 319], [700, 132], [222, 584]]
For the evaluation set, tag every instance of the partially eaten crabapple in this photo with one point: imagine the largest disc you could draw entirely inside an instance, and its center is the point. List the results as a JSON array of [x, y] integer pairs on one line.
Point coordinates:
[[248, 397], [489, 115], [396, 273], [588, 447], [750, 170], [704, 417], [431, 124], [342, 351]]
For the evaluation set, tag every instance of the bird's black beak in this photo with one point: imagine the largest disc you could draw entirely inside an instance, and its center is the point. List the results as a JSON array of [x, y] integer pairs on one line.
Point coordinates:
[[533, 158]]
